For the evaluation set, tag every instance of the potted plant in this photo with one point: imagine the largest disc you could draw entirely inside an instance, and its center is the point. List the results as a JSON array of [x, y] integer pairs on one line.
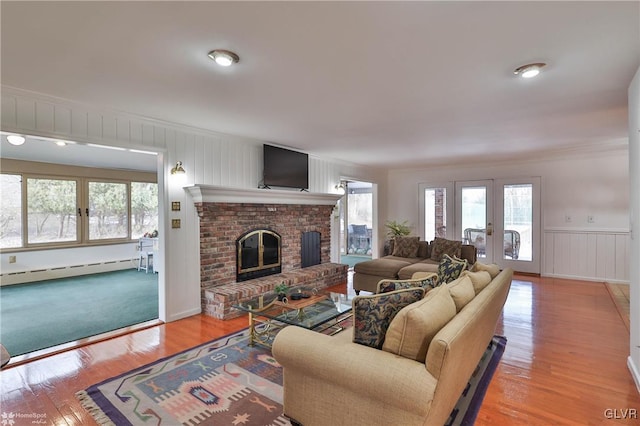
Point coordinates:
[[395, 229], [281, 290]]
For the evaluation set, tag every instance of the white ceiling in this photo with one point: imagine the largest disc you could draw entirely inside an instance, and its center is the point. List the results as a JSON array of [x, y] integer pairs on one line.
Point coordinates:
[[391, 84]]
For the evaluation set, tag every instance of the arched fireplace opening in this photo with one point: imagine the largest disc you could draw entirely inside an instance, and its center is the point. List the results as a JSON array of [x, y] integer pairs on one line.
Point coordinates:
[[258, 254]]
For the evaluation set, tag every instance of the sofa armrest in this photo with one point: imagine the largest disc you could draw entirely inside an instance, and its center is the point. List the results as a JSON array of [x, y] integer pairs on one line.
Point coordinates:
[[370, 373]]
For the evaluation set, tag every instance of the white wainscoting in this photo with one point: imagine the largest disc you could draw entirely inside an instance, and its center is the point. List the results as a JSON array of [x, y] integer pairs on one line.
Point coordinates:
[[587, 254]]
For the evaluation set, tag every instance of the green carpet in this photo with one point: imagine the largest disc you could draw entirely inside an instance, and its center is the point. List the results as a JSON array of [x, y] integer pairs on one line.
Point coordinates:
[[352, 259], [43, 314]]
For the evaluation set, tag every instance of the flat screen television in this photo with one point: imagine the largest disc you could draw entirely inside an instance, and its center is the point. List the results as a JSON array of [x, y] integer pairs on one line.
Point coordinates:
[[285, 168]]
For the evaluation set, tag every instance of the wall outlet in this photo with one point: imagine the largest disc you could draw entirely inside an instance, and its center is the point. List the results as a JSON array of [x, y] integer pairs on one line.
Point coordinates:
[[567, 218], [12, 259], [591, 219]]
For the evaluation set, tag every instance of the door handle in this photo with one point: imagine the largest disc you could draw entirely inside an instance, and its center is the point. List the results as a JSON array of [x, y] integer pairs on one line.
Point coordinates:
[[489, 228]]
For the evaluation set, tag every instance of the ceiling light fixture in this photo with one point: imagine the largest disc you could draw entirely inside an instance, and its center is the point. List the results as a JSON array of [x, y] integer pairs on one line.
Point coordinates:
[[224, 58], [61, 143], [16, 139], [529, 70]]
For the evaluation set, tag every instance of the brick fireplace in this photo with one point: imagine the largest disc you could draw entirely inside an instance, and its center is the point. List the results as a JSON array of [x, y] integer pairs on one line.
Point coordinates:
[[221, 224], [226, 214]]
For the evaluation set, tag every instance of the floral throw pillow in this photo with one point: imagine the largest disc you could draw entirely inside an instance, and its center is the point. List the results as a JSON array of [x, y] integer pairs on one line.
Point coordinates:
[[450, 268], [373, 314], [442, 246], [428, 283], [406, 246]]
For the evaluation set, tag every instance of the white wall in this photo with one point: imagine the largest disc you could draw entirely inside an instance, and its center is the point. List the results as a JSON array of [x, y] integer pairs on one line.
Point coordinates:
[[208, 157], [578, 185], [634, 169]]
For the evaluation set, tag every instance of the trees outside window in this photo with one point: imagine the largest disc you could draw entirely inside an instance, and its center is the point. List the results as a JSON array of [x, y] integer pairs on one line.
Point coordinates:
[[51, 210], [144, 208], [108, 207]]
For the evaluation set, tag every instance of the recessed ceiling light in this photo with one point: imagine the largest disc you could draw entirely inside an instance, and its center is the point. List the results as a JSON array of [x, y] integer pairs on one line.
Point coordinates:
[[16, 139], [224, 58], [61, 143], [529, 70]]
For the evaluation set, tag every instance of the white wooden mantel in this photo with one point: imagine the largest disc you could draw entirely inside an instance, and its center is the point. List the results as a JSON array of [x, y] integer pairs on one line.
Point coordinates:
[[223, 194]]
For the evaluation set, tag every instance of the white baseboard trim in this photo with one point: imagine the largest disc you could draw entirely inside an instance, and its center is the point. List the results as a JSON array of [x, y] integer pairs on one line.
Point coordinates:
[[184, 314], [634, 373], [593, 279]]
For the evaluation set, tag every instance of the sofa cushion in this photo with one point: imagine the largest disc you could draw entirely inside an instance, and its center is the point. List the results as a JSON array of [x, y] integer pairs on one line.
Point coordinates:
[[492, 268], [413, 328], [442, 246], [405, 246], [427, 282], [450, 268], [461, 291], [427, 265], [373, 314], [479, 279], [423, 250], [383, 267]]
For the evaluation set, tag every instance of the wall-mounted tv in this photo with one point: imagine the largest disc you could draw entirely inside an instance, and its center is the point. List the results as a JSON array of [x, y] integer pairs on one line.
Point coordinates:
[[285, 168]]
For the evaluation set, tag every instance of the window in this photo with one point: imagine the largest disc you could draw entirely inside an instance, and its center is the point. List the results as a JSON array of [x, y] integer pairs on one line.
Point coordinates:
[[144, 208], [108, 207], [51, 210], [10, 211], [46, 210]]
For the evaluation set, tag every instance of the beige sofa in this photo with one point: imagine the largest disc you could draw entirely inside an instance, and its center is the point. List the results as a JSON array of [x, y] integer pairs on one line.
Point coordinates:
[[368, 273], [329, 380]]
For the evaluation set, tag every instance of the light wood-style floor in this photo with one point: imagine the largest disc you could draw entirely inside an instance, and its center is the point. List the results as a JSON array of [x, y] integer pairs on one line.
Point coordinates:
[[621, 297], [565, 361]]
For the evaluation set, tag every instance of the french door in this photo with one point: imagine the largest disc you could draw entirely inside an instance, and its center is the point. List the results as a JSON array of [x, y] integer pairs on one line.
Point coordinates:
[[517, 220], [500, 217], [474, 216]]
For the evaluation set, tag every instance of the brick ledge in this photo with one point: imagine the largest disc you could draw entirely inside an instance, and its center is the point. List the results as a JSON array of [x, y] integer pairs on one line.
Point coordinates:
[[217, 300]]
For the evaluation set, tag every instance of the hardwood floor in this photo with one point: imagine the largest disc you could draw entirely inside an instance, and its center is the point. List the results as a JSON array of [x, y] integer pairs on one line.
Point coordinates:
[[621, 298], [565, 361]]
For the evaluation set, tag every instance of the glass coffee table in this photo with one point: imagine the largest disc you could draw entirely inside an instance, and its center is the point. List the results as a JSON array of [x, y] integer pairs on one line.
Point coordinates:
[[317, 311]]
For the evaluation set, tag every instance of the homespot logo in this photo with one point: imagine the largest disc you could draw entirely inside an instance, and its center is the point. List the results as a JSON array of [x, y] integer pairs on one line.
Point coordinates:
[[621, 413], [17, 419]]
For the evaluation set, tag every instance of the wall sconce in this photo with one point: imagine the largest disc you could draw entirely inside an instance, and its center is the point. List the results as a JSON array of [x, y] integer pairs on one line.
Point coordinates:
[[178, 169], [341, 188]]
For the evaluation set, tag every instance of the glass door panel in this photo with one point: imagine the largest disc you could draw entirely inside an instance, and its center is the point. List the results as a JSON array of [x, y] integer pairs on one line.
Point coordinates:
[[474, 216], [518, 221]]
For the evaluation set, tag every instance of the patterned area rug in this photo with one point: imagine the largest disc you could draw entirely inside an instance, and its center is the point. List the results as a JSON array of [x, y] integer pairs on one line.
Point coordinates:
[[225, 382], [468, 406]]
